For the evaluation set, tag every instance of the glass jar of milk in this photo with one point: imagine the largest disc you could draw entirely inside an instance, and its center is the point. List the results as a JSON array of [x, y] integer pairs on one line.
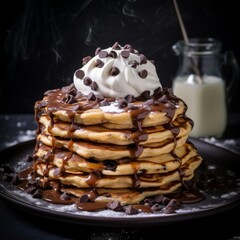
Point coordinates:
[[199, 82]]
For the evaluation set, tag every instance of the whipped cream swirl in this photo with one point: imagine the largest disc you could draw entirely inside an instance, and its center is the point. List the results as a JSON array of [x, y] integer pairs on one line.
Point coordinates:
[[117, 72]]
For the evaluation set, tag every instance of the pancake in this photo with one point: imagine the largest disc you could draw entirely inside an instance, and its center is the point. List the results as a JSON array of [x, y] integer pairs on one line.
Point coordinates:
[[90, 112], [124, 196], [98, 133], [103, 152], [73, 163], [114, 134], [96, 180]]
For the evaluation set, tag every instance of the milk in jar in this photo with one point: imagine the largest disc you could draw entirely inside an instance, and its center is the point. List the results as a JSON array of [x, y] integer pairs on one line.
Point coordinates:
[[206, 103]]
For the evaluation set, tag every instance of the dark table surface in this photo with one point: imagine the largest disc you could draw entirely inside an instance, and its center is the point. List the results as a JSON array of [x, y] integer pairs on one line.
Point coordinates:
[[16, 223]]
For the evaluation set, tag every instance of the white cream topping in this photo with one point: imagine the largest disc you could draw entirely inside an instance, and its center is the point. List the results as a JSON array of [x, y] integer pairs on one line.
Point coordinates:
[[126, 82]]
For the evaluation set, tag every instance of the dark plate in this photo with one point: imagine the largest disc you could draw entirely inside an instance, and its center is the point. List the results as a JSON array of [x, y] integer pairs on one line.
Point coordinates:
[[223, 194]]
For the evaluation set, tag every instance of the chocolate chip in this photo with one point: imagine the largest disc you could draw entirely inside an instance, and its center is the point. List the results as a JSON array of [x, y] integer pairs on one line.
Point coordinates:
[[110, 164], [143, 59], [69, 99], [71, 90], [165, 200], [105, 102], [143, 73], [97, 51], [149, 201], [159, 198], [94, 86], [157, 91], [103, 54], [85, 60], [156, 207], [129, 47], [163, 99], [130, 210], [91, 96], [115, 206], [99, 63], [174, 203], [116, 46], [64, 99], [84, 198], [99, 97], [168, 210], [149, 102], [122, 102], [37, 193], [87, 81], [125, 53], [145, 94], [133, 64], [171, 207], [129, 98], [146, 204], [80, 73], [114, 71], [112, 54], [66, 89], [169, 92], [65, 196]]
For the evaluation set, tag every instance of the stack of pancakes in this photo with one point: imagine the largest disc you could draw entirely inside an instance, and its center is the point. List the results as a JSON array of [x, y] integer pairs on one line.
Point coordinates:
[[123, 149]]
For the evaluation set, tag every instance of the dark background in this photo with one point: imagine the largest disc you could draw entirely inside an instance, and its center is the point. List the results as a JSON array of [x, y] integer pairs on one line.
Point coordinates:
[[43, 41]]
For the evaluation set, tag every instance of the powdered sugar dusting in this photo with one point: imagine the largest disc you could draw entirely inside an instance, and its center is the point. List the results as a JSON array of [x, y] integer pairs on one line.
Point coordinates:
[[113, 107], [229, 144], [21, 136]]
